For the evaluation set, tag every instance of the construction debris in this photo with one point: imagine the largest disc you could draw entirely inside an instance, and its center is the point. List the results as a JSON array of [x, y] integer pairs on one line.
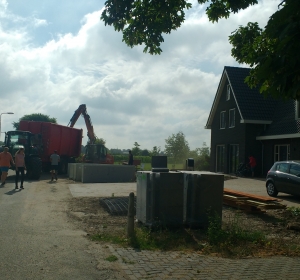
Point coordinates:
[[250, 202]]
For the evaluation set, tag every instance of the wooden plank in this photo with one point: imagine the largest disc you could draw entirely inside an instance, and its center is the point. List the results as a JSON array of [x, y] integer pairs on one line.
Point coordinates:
[[231, 197], [273, 206], [250, 196], [242, 206]]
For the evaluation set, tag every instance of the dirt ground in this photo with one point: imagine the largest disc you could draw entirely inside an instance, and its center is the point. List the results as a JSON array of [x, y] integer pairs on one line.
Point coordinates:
[[281, 224]]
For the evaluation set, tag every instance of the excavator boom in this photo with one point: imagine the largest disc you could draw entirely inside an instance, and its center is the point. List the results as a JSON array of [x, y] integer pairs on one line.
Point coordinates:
[[95, 153], [90, 130]]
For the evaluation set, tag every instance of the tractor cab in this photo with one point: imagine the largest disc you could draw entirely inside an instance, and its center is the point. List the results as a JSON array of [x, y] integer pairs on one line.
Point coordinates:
[[15, 140], [32, 144]]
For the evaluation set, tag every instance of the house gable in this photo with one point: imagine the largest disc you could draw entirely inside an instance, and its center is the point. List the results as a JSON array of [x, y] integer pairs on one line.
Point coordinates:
[[240, 116], [252, 106], [224, 84]]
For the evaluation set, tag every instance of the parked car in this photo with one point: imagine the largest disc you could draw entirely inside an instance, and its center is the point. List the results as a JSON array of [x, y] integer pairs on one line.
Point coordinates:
[[284, 176]]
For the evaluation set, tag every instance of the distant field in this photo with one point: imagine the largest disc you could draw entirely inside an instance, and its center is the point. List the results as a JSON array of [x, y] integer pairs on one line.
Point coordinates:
[[147, 166]]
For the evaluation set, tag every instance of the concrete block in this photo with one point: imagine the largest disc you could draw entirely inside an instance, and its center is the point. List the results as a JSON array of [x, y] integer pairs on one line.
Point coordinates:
[[106, 173], [160, 198], [203, 197], [71, 170], [78, 171]]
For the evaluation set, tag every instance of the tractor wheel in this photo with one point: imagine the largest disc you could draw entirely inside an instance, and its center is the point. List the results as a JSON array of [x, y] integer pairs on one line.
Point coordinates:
[[34, 168]]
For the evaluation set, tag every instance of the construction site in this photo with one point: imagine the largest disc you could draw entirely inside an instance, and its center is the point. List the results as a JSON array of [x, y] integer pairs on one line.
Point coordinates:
[[193, 192]]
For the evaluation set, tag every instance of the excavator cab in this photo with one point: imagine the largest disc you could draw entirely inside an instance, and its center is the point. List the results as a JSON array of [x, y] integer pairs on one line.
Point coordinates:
[[95, 153]]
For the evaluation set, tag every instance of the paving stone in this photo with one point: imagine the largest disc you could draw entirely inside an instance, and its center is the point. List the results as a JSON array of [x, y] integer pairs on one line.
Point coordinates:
[[174, 265]]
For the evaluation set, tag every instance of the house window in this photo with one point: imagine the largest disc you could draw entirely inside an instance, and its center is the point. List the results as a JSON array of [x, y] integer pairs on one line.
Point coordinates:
[[222, 120], [297, 109], [232, 118], [233, 158], [220, 158], [228, 93], [281, 152]]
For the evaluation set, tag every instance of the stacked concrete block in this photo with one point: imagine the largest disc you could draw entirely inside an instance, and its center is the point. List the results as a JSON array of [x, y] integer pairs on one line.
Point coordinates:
[[71, 170], [202, 198], [159, 198], [178, 198], [107, 173], [78, 171], [101, 173]]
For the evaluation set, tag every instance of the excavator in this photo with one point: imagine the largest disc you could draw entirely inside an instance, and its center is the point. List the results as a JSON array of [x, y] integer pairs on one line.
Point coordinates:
[[94, 152]]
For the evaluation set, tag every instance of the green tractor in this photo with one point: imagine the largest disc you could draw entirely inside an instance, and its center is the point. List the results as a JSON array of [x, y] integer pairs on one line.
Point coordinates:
[[15, 140]]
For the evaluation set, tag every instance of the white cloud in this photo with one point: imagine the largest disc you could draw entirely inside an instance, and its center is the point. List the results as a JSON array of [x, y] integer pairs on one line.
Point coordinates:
[[130, 96]]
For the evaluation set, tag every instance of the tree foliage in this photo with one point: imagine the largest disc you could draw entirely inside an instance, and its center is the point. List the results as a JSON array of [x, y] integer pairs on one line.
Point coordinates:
[[201, 157], [155, 151], [100, 141], [272, 51], [38, 117], [136, 151], [177, 147], [145, 153], [143, 22]]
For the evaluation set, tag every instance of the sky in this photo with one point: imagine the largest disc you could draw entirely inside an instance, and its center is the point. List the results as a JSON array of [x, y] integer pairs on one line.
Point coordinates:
[[56, 55]]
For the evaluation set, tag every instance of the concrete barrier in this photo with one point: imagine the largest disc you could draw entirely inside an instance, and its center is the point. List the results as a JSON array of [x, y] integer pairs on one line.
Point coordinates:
[[179, 198], [202, 197], [160, 198], [72, 170], [101, 173], [78, 172]]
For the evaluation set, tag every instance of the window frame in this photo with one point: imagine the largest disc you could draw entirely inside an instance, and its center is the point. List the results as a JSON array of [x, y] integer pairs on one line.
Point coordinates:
[[228, 92], [297, 112], [277, 152], [220, 158], [223, 120], [232, 110]]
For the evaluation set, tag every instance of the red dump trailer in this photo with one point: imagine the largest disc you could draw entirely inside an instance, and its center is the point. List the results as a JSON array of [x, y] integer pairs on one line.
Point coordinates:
[[47, 137]]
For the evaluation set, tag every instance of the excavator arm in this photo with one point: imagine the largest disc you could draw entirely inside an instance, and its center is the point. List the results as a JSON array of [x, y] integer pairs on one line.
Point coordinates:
[[90, 130], [95, 153]]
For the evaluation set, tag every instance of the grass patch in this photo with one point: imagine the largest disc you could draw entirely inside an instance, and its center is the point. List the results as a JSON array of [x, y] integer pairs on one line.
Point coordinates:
[[295, 211], [163, 239], [111, 258], [232, 238], [148, 167], [118, 238], [127, 261]]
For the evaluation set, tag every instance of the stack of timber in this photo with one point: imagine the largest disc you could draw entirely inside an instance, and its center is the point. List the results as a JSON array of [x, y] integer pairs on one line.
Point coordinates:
[[250, 202]]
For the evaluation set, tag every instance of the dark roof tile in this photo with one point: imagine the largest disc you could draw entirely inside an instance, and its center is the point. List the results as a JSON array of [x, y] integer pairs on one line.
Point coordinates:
[[253, 105], [284, 121]]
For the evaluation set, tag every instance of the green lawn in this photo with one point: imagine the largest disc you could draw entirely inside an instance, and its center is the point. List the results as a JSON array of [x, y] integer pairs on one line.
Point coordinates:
[[147, 166]]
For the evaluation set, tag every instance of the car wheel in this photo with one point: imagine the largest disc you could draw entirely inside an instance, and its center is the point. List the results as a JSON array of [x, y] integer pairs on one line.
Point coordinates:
[[271, 189]]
